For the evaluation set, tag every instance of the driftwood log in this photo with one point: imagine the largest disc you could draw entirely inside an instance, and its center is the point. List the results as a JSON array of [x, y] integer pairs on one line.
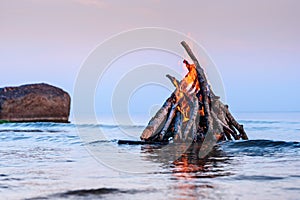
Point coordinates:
[[193, 111]]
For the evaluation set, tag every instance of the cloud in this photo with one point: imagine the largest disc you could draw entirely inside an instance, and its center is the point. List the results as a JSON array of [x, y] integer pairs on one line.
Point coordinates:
[[94, 3]]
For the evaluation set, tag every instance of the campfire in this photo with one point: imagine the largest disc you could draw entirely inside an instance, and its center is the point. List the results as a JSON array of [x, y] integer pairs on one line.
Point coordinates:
[[193, 111]]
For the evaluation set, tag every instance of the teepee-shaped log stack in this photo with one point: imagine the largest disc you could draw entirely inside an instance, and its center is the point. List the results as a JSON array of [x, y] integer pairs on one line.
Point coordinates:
[[193, 111]]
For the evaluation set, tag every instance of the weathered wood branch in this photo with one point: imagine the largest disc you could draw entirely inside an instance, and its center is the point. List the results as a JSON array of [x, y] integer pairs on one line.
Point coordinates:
[[238, 126], [193, 115], [172, 113], [157, 122], [173, 80], [200, 70], [232, 123], [177, 126], [203, 85]]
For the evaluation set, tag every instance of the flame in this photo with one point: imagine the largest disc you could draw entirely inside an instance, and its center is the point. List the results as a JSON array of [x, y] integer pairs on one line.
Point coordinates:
[[189, 85], [189, 82], [191, 79], [184, 113], [202, 112]]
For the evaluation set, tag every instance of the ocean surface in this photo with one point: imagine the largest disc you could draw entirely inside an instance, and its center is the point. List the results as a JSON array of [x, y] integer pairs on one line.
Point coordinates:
[[84, 161]]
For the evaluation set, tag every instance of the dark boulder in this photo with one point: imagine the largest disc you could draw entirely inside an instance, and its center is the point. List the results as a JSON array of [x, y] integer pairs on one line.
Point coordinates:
[[34, 103]]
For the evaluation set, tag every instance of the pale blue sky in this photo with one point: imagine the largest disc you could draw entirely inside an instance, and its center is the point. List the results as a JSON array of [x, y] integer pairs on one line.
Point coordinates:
[[255, 44]]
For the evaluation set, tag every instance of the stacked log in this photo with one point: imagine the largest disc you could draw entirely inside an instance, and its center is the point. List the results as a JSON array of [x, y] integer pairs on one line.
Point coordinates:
[[193, 111]]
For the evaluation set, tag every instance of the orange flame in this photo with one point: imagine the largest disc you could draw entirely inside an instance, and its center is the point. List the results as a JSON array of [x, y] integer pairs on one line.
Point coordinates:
[[191, 79], [187, 86]]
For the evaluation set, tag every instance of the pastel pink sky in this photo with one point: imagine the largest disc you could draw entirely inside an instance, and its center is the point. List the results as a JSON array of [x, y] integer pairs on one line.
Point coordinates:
[[255, 44]]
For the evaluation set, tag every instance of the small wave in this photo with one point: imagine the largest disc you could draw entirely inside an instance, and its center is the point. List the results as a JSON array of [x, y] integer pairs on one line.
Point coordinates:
[[267, 122], [103, 141], [259, 178], [4, 186], [262, 143], [263, 128], [107, 126], [259, 122], [89, 193], [59, 127], [3, 175], [11, 179], [99, 191], [36, 124], [295, 176], [30, 131], [292, 188], [265, 148]]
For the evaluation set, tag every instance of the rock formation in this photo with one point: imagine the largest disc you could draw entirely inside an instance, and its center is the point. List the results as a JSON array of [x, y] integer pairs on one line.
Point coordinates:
[[34, 103]]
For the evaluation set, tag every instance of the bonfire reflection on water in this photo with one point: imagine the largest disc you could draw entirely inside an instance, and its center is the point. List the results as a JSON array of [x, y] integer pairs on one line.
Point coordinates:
[[191, 175], [188, 164]]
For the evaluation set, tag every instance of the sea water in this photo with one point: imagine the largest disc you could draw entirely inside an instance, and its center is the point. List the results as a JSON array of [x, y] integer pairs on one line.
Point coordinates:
[[55, 161]]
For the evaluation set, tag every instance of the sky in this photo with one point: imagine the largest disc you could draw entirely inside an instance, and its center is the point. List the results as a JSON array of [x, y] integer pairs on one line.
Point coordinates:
[[254, 44]]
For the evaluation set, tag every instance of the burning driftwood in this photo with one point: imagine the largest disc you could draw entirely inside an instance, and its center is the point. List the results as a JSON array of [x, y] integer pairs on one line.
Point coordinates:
[[192, 111]]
